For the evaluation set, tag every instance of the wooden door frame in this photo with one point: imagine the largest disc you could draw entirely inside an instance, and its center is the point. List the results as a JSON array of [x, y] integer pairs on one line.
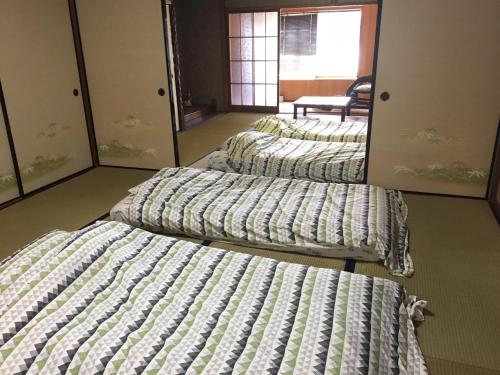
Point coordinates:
[[374, 84], [253, 108]]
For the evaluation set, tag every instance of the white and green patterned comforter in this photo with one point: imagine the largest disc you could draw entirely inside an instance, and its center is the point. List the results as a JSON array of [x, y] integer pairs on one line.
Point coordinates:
[[264, 154], [333, 220], [313, 129], [112, 299]]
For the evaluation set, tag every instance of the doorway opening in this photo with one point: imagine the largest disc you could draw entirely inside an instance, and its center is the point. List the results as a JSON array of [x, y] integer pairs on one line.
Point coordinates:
[[327, 52], [278, 57]]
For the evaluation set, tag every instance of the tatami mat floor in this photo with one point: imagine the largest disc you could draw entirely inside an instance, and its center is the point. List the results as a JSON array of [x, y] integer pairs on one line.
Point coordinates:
[[455, 245], [201, 140], [68, 206]]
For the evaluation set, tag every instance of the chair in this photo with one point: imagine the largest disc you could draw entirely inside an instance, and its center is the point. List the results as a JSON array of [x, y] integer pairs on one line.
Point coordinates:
[[363, 86]]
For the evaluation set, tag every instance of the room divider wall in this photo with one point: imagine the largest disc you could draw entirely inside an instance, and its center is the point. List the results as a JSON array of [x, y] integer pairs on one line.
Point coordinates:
[[41, 87]]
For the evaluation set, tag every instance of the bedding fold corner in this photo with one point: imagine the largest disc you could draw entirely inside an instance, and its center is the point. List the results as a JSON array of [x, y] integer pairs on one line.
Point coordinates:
[[415, 308], [400, 262]]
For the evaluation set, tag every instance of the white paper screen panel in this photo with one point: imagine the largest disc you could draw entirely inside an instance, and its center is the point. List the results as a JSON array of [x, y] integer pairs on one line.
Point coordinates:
[[253, 45]]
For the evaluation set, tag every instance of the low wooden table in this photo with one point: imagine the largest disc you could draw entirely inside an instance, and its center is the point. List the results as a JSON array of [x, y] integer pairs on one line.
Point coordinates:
[[322, 102]]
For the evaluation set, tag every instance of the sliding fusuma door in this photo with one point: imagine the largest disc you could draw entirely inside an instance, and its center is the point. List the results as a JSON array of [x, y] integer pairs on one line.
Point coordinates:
[[41, 86], [125, 55], [254, 60], [436, 98]]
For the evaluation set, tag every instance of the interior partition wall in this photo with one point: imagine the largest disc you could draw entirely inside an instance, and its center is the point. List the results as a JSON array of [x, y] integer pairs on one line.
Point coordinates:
[[254, 59], [126, 62], [41, 87]]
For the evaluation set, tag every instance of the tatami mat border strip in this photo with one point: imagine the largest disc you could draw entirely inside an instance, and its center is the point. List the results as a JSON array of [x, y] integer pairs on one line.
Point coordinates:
[[350, 265]]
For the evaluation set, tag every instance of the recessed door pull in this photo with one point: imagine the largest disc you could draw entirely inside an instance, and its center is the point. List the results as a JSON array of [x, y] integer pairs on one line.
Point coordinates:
[[75, 92], [161, 92], [385, 96]]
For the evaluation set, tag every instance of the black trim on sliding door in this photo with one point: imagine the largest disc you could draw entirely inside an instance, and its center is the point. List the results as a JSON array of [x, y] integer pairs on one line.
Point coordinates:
[[227, 64], [11, 143], [169, 79], [374, 82], [494, 178], [80, 61], [493, 160], [130, 168], [279, 58]]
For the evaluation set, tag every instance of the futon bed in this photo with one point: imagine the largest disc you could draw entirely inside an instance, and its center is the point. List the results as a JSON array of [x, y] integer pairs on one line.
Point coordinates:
[[313, 129], [264, 154], [332, 220], [116, 299]]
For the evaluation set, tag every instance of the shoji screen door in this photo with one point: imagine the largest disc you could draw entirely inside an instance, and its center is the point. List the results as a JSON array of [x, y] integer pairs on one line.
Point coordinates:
[[254, 59], [124, 46], [42, 91]]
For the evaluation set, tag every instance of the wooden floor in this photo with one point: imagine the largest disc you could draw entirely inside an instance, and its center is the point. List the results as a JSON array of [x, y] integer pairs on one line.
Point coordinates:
[[455, 245]]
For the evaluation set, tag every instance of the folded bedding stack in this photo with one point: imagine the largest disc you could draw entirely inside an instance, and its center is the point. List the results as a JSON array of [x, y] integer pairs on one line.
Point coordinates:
[[264, 154], [313, 129], [332, 220], [116, 299]]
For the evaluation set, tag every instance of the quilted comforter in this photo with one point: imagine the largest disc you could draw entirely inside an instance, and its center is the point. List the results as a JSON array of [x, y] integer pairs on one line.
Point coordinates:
[[313, 129], [114, 299], [264, 154], [333, 220]]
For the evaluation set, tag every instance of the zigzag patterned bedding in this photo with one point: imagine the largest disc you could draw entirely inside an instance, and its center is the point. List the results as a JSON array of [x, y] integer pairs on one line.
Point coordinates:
[[313, 129], [333, 220], [264, 154], [113, 299]]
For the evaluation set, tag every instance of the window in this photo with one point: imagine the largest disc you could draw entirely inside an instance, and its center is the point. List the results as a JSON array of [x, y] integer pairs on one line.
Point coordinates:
[[320, 45], [253, 50], [298, 34]]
